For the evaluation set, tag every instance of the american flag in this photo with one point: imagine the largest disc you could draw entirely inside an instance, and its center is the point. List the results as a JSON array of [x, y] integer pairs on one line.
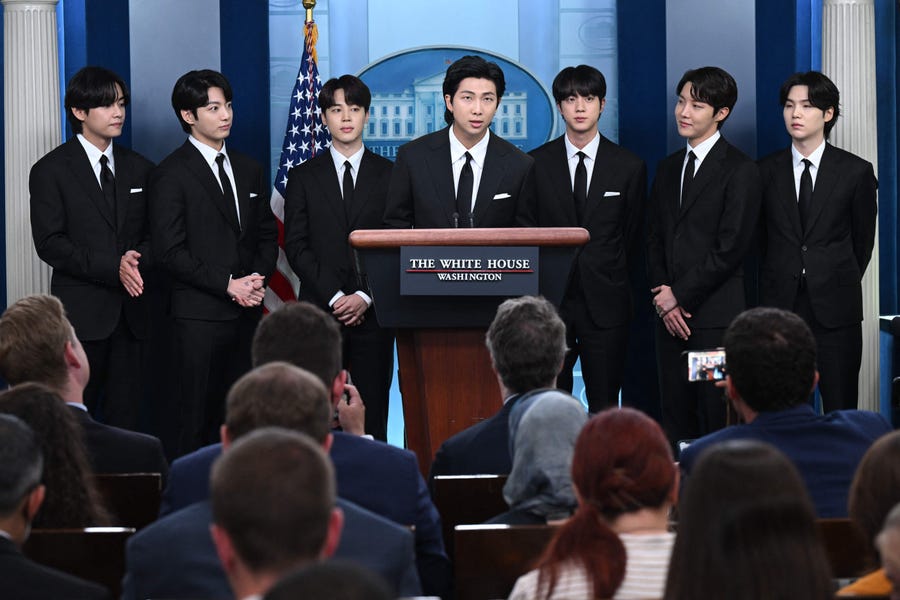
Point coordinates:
[[304, 138]]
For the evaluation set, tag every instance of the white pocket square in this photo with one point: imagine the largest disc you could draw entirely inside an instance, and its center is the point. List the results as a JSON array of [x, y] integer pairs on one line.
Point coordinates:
[[136, 190], [501, 196], [611, 194], [252, 195]]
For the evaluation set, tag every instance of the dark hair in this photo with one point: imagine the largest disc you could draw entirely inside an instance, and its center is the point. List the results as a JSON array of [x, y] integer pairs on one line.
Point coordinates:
[[191, 92], [356, 93], [711, 85], [527, 343], [471, 66], [583, 80], [34, 332], [89, 88], [622, 463], [823, 94], [336, 579], [746, 530], [71, 499], [303, 335], [771, 358], [21, 462], [278, 394], [876, 487], [273, 492]]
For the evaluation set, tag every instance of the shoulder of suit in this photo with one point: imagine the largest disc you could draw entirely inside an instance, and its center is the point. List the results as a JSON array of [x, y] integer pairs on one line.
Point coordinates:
[[621, 153], [377, 160], [835, 153], [374, 450], [547, 148], [508, 148]]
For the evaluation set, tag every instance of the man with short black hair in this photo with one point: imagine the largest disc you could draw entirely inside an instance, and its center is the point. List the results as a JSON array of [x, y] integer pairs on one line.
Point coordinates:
[[771, 370], [818, 231], [21, 495]]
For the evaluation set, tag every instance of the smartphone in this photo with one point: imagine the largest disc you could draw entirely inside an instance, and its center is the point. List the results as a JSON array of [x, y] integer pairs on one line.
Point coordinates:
[[706, 365]]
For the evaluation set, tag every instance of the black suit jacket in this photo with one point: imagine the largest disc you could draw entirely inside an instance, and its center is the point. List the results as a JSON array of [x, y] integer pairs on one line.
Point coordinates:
[[24, 579], [613, 216], [698, 248], [836, 243], [115, 450], [422, 193], [316, 223], [76, 233], [196, 237]]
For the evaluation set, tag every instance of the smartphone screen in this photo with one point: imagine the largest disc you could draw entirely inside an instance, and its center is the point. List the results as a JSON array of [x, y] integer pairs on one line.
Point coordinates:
[[706, 365]]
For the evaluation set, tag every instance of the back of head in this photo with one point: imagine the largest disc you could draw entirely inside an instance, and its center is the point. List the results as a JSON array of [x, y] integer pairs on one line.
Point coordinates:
[[822, 93], [711, 85], [21, 463], [542, 433], [356, 93], [278, 395], [876, 485], [583, 80], [301, 334], [771, 358], [33, 336], [746, 523], [191, 92], [273, 492], [335, 580], [89, 88], [622, 463], [71, 499], [471, 66], [527, 343]]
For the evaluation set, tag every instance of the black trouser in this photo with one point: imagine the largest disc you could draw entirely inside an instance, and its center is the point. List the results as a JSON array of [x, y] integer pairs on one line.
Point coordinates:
[[114, 391]]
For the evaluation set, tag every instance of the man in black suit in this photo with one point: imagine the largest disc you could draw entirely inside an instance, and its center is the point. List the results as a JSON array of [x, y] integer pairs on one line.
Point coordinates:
[[21, 495], [704, 206], [38, 344], [818, 231], [527, 343], [462, 176], [89, 222], [327, 197], [582, 179], [215, 234]]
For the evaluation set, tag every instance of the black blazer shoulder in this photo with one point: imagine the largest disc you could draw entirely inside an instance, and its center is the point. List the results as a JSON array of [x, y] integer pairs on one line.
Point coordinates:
[[115, 450]]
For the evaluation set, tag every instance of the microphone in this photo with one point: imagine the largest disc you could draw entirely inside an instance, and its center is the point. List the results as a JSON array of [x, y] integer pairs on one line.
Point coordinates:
[[456, 220]]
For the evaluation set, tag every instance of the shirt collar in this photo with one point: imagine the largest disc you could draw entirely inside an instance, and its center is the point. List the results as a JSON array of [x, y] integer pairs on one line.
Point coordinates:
[[815, 157], [339, 159], [590, 149], [703, 148], [478, 151], [94, 153], [77, 405], [209, 153]]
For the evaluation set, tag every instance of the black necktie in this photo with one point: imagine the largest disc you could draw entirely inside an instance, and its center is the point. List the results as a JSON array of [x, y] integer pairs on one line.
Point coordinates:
[[347, 184], [108, 185], [804, 198], [579, 189], [227, 190], [688, 178], [464, 193]]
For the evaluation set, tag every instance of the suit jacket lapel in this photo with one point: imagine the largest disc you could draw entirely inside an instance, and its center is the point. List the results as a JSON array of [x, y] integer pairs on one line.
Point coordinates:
[[491, 174], [786, 193], [327, 177], [707, 172], [441, 172], [84, 174], [361, 191], [826, 179], [123, 186], [202, 171], [599, 179], [242, 183], [561, 180]]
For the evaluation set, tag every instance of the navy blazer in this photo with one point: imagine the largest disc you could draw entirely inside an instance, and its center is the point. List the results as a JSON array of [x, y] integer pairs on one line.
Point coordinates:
[[76, 233], [24, 579], [376, 476], [825, 449]]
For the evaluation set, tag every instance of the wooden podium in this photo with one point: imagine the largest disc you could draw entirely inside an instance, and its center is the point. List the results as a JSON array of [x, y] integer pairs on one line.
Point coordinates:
[[445, 371]]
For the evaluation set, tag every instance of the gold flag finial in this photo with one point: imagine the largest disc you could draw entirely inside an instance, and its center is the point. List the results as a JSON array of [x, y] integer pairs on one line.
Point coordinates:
[[309, 5]]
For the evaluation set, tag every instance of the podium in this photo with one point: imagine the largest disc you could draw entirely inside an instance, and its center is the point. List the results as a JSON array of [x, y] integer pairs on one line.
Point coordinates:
[[445, 371]]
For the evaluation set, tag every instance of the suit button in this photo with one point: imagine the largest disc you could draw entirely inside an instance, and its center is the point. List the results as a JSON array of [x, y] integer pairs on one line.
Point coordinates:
[[803, 248]]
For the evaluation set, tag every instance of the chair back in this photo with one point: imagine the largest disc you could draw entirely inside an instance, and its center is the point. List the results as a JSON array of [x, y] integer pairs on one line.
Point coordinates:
[[846, 547], [467, 500], [132, 498]]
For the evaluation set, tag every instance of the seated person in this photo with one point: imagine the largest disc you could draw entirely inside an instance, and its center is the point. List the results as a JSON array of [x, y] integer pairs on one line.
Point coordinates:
[[770, 359], [542, 433], [617, 544], [746, 530]]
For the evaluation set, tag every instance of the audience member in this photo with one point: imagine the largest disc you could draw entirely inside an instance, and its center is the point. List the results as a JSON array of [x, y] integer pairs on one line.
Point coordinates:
[[888, 542], [174, 557], [273, 508], [527, 343], [617, 544], [746, 530], [335, 580], [71, 499], [21, 495], [37, 343], [771, 371], [874, 492], [372, 474], [542, 434]]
